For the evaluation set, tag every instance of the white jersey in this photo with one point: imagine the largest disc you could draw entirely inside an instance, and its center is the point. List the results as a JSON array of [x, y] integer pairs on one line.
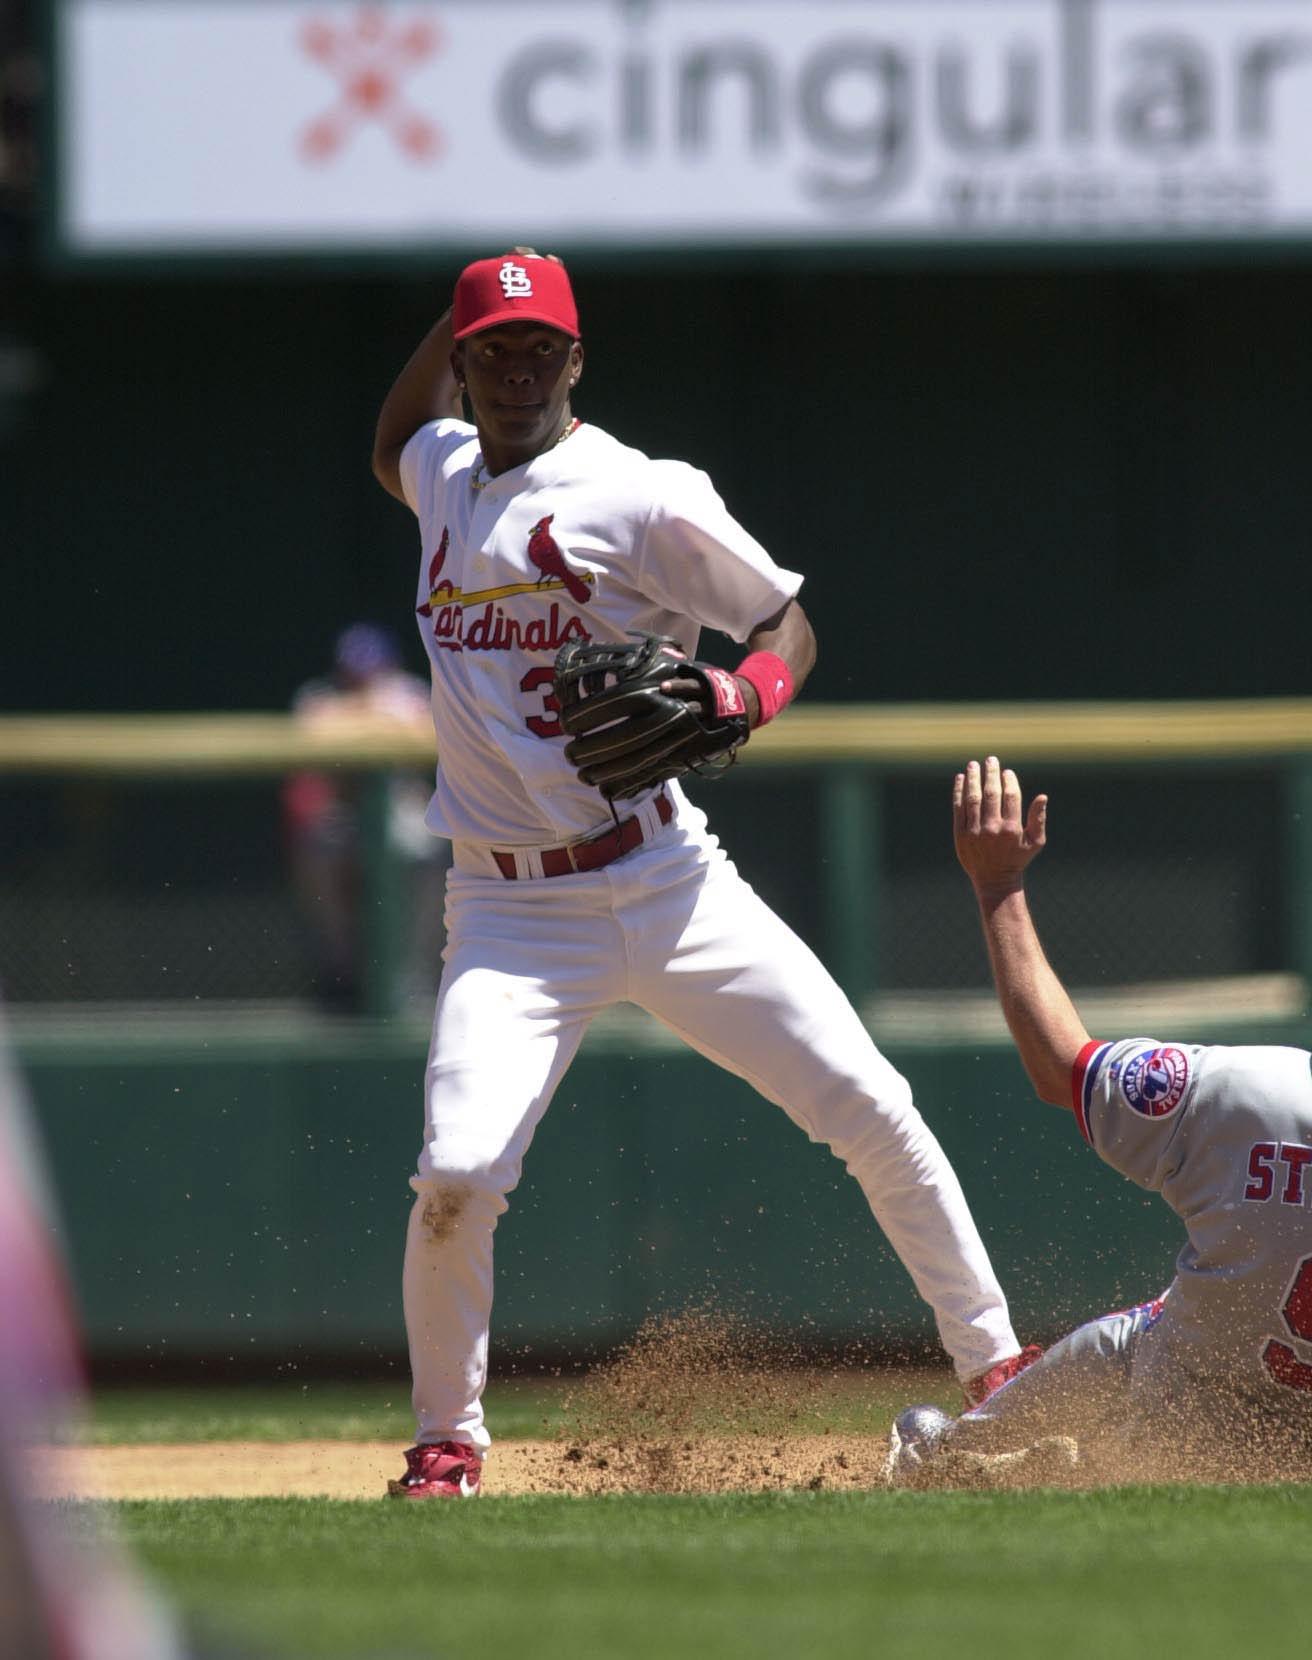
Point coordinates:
[[1225, 1136], [587, 541]]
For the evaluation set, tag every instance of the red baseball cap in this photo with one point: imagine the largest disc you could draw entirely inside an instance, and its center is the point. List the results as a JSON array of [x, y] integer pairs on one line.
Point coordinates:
[[514, 288]]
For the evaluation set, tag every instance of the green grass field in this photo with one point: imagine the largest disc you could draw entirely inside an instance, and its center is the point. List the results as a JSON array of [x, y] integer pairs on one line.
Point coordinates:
[[299, 1412], [516, 1409], [1208, 1572]]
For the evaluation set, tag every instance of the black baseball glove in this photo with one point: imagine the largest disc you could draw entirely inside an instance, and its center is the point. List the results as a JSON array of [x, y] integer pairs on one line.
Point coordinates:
[[626, 734]]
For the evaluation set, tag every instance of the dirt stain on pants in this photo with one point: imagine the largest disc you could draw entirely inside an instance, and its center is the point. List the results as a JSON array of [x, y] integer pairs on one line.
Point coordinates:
[[443, 1209]]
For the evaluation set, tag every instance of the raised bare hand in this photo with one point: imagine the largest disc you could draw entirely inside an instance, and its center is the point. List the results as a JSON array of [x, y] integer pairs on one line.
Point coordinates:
[[994, 841]]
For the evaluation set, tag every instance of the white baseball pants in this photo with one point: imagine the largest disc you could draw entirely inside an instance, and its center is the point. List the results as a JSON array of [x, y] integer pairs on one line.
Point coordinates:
[[673, 928]]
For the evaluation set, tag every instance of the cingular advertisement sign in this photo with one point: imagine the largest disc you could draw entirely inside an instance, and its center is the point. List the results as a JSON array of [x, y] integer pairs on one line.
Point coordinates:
[[278, 125]]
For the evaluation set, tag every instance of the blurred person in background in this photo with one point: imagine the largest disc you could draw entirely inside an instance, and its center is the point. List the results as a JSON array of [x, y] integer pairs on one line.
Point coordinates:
[[64, 1594], [322, 818]]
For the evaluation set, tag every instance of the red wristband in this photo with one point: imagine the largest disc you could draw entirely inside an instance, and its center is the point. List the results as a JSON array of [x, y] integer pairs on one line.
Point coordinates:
[[771, 679]]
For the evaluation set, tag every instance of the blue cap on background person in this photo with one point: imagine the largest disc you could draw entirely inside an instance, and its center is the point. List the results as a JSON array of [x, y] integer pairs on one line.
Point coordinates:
[[365, 649]]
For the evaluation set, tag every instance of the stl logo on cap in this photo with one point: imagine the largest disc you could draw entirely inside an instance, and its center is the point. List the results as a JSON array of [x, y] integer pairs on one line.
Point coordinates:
[[516, 284], [511, 289]]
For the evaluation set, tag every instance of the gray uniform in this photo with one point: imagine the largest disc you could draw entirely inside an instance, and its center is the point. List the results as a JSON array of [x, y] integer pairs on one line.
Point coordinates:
[[1221, 1364]]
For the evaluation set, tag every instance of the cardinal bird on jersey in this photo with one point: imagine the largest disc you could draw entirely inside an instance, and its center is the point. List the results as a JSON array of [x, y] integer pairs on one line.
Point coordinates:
[[438, 560], [548, 558]]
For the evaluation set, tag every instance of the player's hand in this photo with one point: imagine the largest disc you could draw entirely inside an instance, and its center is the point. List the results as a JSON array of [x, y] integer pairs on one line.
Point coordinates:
[[994, 841], [698, 694], [532, 253], [690, 690]]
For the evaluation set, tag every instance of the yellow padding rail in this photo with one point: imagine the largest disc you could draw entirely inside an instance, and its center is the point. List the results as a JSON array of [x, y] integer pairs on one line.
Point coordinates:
[[815, 733]]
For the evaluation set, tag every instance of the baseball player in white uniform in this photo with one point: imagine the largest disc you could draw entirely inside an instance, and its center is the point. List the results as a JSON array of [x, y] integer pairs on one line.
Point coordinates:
[[537, 530], [1214, 1377]]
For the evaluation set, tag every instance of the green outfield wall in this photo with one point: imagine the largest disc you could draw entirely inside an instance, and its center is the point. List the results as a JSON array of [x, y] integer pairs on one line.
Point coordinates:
[[232, 1161], [240, 1200]]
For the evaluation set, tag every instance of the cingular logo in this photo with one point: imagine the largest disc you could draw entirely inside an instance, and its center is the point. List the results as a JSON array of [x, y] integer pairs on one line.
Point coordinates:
[[896, 89], [369, 56]]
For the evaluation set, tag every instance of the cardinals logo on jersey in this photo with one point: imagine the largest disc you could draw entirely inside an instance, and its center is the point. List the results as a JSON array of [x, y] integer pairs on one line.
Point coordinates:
[[550, 561], [1154, 1081], [434, 569]]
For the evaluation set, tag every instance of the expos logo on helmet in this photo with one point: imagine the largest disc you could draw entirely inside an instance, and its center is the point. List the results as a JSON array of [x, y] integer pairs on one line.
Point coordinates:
[[1153, 1082]]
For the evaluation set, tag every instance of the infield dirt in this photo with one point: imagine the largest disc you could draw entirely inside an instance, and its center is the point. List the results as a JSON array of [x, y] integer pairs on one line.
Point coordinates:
[[697, 1403], [360, 1470]]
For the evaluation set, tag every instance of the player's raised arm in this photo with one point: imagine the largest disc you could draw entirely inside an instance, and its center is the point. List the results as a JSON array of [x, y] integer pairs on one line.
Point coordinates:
[[995, 844], [425, 390]]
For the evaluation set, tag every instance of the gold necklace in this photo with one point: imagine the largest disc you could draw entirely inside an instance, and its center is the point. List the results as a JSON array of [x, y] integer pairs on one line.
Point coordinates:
[[478, 479]]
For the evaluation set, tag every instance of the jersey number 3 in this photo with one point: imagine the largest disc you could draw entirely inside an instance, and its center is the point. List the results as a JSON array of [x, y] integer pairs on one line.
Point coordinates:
[[1278, 1358], [545, 725]]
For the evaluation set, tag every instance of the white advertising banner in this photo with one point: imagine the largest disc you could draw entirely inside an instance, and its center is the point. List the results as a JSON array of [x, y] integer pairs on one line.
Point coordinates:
[[285, 125]]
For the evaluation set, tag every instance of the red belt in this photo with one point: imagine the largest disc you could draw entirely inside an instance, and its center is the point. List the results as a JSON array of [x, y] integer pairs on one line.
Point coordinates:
[[593, 851]]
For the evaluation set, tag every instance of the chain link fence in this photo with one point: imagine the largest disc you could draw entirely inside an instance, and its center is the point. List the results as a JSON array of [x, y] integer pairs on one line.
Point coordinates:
[[1149, 876], [121, 890], [116, 890]]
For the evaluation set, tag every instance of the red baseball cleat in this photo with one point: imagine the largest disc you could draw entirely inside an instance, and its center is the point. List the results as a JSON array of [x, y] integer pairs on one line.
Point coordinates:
[[978, 1390], [443, 1470]]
